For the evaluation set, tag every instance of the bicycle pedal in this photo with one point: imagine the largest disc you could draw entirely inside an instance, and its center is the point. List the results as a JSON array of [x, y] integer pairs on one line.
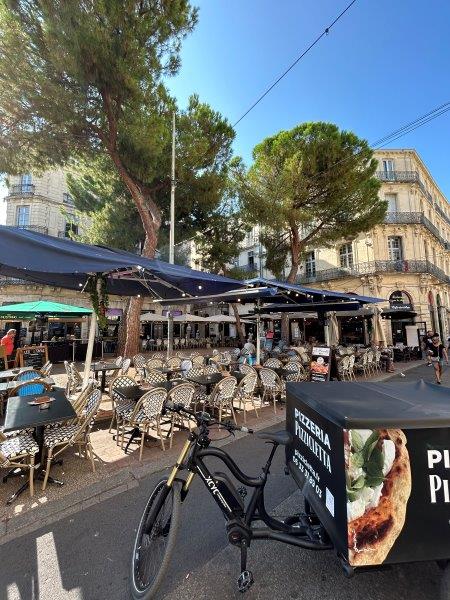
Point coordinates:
[[245, 581]]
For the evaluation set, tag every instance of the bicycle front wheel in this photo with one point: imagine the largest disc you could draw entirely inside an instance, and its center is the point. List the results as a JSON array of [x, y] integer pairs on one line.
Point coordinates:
[[155, 540]]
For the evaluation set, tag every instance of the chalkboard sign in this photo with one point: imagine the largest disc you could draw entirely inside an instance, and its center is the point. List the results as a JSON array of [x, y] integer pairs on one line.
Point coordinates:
[[3, 359], [32, 356]]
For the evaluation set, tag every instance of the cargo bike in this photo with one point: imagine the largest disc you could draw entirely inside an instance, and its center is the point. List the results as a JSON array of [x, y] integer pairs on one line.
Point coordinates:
[[372, 462]]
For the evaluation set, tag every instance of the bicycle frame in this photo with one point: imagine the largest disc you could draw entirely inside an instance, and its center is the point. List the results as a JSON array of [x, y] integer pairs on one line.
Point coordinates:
[[299, 530]]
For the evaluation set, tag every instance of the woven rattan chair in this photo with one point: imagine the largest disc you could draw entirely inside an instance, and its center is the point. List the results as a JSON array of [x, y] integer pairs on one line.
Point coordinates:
[[173, 363], [154, 377], [273, 363], [139, 361], [47, 369], [117, 401], [198, 360], [222, 397], [182, 394], [245, 392], [272, 386], [77, 433], [146, 413], [126, 364], [18, 452], [295, 371], [211, 369], [30, 388], [246, 369], [154, 363]]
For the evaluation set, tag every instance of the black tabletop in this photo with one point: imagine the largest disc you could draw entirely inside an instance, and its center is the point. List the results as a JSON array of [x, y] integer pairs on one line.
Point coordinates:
[[20, 415], [368, 405], [206, 379], [135, 392], [169, 369], [10, 373], [104, 367]]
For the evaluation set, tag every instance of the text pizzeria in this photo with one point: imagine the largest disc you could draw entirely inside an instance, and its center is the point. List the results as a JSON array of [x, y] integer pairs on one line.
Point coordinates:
[[304, 427]]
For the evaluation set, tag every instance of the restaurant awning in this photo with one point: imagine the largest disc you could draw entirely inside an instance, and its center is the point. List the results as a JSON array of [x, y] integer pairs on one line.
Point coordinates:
[[30, 310], [223, 319], [62, 262]]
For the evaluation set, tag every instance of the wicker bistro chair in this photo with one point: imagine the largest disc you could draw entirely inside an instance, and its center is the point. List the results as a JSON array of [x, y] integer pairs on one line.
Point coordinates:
[[146, 413], [244, 368], [139, 365], [271, 385], [117, 401], [343, 367], [351, 367], [245, 392], [200, 396], [273, 363], [295, 371], [211, 369], [18, 452], [173, 363], [361, 364], [125, 367], [370, 362], [222, 397], [28, 375], [77, 433], [30, 388], [154, 363], [154, 377], [181, 394], [47, 369], [197, 360]]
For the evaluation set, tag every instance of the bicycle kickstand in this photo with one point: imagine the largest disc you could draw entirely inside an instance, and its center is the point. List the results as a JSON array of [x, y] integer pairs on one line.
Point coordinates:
[[245, 580]]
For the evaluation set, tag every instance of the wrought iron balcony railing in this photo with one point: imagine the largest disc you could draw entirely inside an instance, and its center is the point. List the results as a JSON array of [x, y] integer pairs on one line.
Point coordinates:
[[21, 189], [415, 217], [378, 266], [404, 177]]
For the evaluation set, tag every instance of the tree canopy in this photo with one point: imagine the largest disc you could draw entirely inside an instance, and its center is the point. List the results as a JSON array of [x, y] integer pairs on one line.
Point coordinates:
[[307, 188]]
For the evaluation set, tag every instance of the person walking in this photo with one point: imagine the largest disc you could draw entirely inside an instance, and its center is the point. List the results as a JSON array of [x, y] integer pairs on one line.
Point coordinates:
[[437, 354], [427, 343], [8, 342]]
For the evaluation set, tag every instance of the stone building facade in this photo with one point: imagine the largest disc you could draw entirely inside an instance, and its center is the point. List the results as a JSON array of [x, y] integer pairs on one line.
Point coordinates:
[[405, 260]]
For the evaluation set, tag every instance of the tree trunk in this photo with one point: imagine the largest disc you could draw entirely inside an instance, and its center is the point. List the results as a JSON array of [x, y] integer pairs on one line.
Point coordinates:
[[239, 324], [295, 262], [134, 309]]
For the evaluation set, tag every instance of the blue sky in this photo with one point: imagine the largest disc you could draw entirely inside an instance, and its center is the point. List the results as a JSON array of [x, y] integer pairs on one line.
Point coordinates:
[[383, 64]]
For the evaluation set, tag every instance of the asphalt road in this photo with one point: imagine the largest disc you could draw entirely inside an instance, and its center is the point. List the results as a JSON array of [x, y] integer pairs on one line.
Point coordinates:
[[86, 556]]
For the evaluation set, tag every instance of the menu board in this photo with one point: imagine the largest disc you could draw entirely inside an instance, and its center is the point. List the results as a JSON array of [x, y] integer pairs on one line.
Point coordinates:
[[3, 359], [32, 356], [320, 363]]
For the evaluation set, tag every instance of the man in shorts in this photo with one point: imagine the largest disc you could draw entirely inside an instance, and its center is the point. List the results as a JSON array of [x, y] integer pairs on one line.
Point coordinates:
[[437, 354]]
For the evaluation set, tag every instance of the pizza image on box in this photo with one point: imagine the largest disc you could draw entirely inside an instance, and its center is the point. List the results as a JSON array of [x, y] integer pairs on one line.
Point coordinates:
[[378, 480]]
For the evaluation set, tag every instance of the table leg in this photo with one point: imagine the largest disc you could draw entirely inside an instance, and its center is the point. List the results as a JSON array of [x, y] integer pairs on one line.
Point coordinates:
[[134, 434], [103, 384]]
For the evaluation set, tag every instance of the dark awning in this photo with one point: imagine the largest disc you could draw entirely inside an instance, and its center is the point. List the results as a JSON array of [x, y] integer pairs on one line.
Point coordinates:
[[64, 263], [293, 292], [320, 307], [243, 296]]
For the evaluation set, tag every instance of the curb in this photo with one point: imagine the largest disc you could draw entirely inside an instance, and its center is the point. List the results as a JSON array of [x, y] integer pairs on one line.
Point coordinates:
[[122, 481]]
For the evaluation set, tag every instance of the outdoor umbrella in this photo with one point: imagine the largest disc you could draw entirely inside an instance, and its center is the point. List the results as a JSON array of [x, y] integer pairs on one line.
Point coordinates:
[[333, 329], [223, 319], [377, 328], [61, 262], [29, 310]]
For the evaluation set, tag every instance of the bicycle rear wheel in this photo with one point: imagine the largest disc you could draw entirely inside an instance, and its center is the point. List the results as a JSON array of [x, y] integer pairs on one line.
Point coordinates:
[[155, 540]]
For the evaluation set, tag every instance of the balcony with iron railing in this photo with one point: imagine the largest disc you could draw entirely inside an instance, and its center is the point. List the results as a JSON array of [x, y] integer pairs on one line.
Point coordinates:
[[22, 189], [404, 177], [393, 218], [377, 266]]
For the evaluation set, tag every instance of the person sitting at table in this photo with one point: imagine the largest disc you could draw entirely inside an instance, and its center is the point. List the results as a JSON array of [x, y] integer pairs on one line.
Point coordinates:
[[8, 342]]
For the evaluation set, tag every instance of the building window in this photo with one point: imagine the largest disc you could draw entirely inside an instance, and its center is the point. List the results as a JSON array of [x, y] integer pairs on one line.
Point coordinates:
[[391, 200], [346, 256], [23, 216], [310, 264], [71, 228], [67, 199], [388, 165], [395, 249], [251, 259]]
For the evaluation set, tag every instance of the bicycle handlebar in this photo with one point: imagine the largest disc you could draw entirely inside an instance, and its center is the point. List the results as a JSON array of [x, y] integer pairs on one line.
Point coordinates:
[[204, 418]]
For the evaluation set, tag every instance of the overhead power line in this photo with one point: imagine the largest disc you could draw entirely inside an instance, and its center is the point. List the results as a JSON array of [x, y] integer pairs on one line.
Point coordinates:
[[325, 32]]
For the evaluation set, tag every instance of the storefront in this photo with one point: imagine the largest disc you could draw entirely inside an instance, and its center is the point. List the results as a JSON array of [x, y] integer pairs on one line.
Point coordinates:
[[402, 316]]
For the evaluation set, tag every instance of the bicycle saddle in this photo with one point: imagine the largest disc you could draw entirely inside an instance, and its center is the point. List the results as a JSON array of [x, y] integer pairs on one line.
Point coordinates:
[[283, 438]]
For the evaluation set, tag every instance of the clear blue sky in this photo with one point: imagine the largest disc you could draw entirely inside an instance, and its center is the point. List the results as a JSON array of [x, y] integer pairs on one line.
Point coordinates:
[[383, 64]]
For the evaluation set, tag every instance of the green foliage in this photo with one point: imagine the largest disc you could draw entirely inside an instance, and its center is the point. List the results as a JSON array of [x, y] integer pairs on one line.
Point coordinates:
[[83, 77], [309, 187]]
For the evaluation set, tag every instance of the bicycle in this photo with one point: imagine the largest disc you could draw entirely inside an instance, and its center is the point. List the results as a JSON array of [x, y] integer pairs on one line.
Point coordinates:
[[156, 534]]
